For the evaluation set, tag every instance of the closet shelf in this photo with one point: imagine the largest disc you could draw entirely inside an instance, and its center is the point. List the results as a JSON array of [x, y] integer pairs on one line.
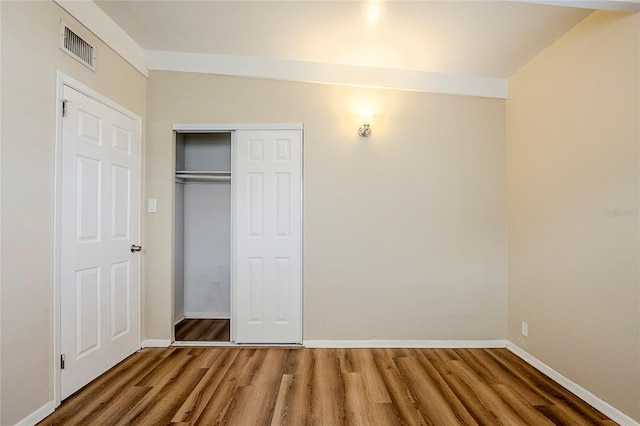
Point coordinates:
[[202, 176], [204, 172]]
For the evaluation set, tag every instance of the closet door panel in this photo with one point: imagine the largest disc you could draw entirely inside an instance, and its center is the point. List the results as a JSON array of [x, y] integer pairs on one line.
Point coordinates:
[[268, 246]]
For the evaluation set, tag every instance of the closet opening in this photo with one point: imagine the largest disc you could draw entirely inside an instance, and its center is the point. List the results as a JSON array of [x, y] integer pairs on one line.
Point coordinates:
[[202, 253]]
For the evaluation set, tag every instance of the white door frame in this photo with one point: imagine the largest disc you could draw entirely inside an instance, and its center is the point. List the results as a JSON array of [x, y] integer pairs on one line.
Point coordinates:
[[233, 128], [62, 80]]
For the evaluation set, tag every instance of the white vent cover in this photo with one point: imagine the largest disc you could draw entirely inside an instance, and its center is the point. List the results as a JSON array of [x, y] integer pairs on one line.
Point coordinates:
[[77, 47]]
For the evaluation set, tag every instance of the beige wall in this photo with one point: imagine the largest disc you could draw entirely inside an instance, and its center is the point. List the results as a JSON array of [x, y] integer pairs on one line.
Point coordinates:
[[404, 232], [573, 135], [30, 57]]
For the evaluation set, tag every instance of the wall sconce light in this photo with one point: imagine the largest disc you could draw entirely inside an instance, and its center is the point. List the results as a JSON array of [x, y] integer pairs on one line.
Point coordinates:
[[365, 115]]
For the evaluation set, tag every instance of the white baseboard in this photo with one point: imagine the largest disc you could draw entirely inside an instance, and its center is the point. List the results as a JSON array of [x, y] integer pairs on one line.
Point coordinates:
[[405, 343], [156, 343], [38, 415], [207, 315], [179, 343], [597, 403]]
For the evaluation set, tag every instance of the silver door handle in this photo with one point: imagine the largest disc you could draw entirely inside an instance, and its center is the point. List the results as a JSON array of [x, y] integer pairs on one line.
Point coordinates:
[[135, 248]]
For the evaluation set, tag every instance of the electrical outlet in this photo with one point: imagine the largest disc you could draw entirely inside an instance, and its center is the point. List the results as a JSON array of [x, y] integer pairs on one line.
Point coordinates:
[[525, 329]]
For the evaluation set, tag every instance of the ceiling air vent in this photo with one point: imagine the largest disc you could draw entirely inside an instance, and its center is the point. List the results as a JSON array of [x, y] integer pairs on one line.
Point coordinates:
[[77, 47]]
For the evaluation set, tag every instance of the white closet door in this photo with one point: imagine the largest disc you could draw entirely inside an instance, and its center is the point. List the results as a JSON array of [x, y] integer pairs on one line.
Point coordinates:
[[268, 236]]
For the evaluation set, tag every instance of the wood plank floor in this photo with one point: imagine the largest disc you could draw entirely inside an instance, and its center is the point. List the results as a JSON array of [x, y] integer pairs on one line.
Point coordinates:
[[203, 330], [278, 386]]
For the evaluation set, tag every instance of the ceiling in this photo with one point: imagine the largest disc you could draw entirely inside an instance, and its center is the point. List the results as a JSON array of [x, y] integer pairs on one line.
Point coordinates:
[[475, 38]]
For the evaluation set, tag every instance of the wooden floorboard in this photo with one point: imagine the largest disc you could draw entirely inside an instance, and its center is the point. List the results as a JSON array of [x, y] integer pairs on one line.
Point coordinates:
[[203, 330], [282, 386]]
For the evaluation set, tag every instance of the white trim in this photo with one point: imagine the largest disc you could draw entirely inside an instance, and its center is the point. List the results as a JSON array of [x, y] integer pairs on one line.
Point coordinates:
[[597, 403], [97, 96], [231, 127], [185, 343], [232, 243], [207, 315], [0, 223], [155, 343], [632, 6], [316, 72], [37, 416], [189, 343], [172, 264], [449, 344], [57, 203], [62, 80], [177, 320], [98, 22], [302, 255]]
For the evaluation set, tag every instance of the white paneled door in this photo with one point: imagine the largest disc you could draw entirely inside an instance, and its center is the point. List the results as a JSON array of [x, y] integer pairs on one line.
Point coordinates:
[[99, 270], [268, 236]]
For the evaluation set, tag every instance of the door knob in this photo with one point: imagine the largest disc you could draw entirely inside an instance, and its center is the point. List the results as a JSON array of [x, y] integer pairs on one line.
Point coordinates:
[[135, 248]]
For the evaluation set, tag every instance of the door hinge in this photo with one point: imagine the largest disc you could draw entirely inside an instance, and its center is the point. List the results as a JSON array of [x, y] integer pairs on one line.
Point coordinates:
[[64, 107], [61, 361]]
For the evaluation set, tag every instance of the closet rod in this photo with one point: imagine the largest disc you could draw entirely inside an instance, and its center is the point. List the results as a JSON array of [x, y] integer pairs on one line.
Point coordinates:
[[204, 177]]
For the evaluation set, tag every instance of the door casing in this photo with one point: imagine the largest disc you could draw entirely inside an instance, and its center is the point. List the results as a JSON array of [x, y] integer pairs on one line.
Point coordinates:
[[62, 80], [233, 128]]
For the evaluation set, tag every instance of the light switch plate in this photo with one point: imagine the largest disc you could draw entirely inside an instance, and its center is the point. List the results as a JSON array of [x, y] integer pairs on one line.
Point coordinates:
[[152, 205]]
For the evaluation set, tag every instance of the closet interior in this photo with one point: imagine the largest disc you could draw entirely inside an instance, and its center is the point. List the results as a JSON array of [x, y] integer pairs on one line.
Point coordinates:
[[202, 292]]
